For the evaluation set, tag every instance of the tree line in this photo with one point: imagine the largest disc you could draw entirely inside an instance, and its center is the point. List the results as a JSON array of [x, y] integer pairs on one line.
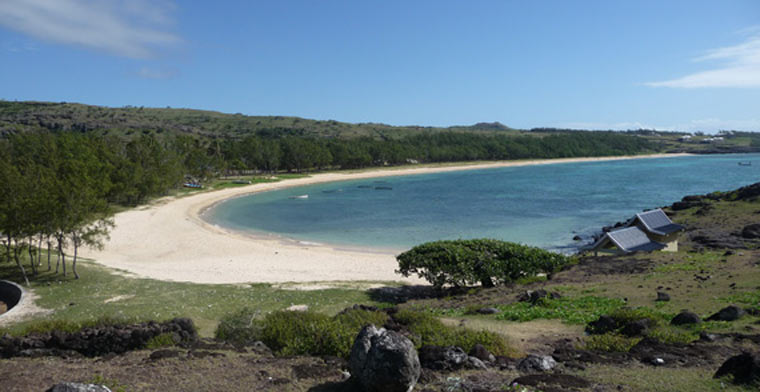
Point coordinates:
[[58, 188]]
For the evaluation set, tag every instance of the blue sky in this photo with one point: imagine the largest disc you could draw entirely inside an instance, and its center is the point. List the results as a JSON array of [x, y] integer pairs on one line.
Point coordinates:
[[687, 65]]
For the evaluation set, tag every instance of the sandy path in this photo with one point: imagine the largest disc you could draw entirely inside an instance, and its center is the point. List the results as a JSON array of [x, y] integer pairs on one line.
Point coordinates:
[[168, 240]]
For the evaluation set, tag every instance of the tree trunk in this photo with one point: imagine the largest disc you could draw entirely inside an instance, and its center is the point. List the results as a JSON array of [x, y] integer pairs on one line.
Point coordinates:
[[39, 251], [48, 254], [31, 256], [61, 257], [74, 262], [8, 247], [20, 266]]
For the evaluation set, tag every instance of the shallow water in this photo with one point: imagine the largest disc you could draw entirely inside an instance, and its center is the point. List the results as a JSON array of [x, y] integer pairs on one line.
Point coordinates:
[[545, 205]]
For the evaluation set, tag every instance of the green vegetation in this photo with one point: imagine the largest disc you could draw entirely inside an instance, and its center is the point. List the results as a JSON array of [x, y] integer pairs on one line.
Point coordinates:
[[610, 342], [104, 296], [488, 262], [429, 330], [296, 333], [579, 310], [162, 340]]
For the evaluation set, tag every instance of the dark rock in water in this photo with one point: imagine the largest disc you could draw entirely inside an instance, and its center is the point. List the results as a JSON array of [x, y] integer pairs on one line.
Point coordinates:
[[685, 317], [480, 352], [637, 328], [577, 238], [383, 361], [744, 367], [751, 231], [602, 325], [729, 253], [729, 313], [488, 311], [662, 296], [536, 363], [76, 387], [442, 358]]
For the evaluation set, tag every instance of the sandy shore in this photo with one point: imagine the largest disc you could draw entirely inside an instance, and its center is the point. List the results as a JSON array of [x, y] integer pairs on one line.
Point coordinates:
[[168, 240]]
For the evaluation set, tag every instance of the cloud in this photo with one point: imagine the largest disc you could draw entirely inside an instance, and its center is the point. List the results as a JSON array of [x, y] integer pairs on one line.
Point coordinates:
[[128, 28], [710, 125], [150, 73], [740, 68]]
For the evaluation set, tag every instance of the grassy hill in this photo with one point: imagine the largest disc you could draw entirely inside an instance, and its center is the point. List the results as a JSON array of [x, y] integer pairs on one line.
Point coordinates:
[[21, 116]]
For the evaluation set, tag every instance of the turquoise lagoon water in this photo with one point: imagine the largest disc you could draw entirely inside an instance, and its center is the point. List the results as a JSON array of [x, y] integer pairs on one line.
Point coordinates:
[[544, 205]]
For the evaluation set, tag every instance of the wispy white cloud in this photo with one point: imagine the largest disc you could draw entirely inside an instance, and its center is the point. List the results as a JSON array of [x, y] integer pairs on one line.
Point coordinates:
[[129, 28], [152, 73], [740, 67], [710, 125]]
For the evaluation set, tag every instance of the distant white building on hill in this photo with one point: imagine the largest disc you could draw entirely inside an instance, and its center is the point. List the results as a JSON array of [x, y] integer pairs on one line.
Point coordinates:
[[647, 231]]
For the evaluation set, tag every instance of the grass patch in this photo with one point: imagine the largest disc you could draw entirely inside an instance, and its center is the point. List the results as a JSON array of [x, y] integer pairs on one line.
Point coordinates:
[[102, 294], [659, 379], [673, 335], [113, 385], [579, 310]]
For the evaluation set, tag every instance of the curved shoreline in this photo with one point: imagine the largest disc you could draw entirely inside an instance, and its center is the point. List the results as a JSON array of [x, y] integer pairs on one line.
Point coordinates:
[[169, 240]]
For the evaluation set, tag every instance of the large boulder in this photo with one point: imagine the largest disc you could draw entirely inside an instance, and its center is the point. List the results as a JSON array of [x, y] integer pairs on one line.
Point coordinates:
[[75, 387], [637, 327], [744, 367], [685, 317], [729, 313], [383, 360]]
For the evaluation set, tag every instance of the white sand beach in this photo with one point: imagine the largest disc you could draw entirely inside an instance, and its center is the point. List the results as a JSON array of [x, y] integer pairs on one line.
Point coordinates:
[[168, 240]]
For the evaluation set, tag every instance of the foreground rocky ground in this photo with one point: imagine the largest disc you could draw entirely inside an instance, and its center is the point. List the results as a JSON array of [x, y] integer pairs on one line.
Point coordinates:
[[701, 319]]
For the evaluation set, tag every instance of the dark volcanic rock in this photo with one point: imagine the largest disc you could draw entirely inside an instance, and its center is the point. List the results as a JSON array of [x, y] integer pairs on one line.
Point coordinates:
[[480, 352], [442, 358], [751, 231], [685, 317], [744, 367], [637, 328], [536, 363], [729, 313], [662, 296], [102, 340], [163, 354], [76, 387], [602, 325], [383, 361]]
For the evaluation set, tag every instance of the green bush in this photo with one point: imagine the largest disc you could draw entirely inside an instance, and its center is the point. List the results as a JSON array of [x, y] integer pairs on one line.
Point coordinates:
[[672, 335], [429, 330], [294, 333], [162, 340], [485, 261], [627, 315]]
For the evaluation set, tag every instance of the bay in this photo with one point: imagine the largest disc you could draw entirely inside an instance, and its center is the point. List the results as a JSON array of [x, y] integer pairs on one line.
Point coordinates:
[[542, 205]]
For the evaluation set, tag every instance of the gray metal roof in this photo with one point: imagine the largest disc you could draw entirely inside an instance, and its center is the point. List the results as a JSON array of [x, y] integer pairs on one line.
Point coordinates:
[[655, 221], [630, 239]]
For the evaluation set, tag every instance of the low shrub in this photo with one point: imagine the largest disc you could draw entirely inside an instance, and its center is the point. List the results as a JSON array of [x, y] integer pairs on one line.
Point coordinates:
[[610, 342], [627, 315], [672, 335], [162, 340], [296, 333], [429, 330], [485, 261]]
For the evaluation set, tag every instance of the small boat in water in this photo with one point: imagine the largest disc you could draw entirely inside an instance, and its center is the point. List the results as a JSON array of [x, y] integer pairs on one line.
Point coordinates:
[[364, 186], [748, 163], [299, 197], [383, 188]]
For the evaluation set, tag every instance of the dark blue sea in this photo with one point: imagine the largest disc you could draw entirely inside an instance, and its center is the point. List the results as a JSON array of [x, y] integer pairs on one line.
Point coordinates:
[[544, 205]]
